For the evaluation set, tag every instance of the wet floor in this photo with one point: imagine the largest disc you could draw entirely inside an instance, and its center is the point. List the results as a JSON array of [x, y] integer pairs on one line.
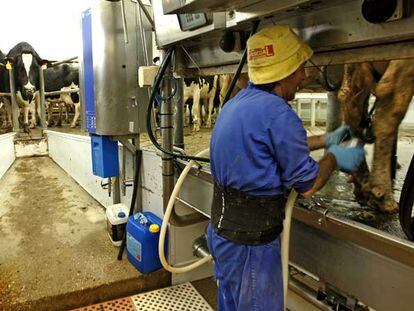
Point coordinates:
[[54, 250], [337, 196]]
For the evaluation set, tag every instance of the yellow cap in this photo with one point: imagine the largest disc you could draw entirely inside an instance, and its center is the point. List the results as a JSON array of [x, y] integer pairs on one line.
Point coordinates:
[[274, 53], [154, 228]]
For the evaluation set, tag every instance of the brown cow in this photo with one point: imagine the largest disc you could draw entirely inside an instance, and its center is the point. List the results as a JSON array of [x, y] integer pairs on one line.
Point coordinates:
[[393, 85]]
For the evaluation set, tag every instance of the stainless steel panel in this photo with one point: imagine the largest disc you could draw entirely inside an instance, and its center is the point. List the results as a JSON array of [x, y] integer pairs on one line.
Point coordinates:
[[378, 281], [120, 104], [336, 30], [365, 263], [168, 29], [196, 6]]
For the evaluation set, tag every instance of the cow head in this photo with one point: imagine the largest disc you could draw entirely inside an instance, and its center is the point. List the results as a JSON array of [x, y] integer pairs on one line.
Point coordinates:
[[26, 63]]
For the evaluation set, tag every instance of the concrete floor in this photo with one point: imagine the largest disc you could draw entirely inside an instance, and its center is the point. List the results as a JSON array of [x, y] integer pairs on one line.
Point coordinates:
[[54, 250]]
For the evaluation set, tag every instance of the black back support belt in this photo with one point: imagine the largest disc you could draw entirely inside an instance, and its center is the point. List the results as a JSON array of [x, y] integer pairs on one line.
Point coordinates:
[[247, 219]]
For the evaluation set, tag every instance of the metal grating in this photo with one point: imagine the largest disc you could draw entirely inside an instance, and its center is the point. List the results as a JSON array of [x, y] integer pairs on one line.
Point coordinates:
[[123, 304], [183, 297]]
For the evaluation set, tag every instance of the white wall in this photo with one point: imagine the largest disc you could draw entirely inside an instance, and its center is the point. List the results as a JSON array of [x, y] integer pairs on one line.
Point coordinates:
[[73, 154], [7, 155]]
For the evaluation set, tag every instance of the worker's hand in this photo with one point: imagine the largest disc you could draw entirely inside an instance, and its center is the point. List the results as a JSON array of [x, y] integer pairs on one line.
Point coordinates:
[[348, 159], [337, 136]]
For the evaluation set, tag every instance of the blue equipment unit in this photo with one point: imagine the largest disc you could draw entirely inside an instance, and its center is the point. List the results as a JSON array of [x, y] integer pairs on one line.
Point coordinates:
[[90, 116], [105, 160], [142, 242]]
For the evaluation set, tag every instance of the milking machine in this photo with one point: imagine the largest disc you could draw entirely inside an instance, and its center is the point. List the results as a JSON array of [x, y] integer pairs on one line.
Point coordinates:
[[331, 258], [335, 254]]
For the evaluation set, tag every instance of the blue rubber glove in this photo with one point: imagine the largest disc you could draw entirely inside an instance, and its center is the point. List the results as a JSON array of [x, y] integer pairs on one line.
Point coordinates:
[[348, 159], [337, 136]]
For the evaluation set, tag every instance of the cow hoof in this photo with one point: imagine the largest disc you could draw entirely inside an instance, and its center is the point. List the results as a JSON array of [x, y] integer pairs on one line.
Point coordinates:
[[72, 126], [26, 128], [387, 205], [32, 126], [196, 128]]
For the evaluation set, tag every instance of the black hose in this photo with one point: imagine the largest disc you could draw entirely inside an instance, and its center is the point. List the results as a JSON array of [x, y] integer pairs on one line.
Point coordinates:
[[241, 64], [138, 158], [158, 79]]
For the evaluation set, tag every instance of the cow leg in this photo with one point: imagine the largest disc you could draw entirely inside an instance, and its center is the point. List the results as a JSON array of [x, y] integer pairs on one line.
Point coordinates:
[[394, 93], [210, 108], [77, 114], [196, 110], [33, 119], [9, 122], [26, 117], [49, 107], [59, 122], [353, 96]]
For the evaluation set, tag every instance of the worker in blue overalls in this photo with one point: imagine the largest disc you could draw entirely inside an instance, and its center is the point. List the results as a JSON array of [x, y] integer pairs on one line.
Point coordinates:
[[258, 151]]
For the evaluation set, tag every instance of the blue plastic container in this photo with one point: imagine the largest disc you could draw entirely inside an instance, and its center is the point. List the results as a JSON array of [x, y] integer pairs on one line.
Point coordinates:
[[143, 232]]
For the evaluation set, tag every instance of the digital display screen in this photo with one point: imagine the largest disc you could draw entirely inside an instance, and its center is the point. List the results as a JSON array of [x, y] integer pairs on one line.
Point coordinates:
[[192, 21]]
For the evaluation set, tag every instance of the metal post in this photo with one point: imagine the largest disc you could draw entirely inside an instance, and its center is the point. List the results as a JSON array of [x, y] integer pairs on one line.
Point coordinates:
[[138, 202], [179, 116], [42, 99], [167, 137], [15, 107], [123, 171], [313, 112], [116, 197], [333, 112]]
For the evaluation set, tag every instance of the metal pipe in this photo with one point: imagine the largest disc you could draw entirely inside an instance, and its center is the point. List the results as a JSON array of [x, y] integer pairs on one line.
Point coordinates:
[[167, 160], [123, 174], [124, 23], [307, 293], [147, 14], [5, 94], [200, 248], [61, 92], [68, 60], [42, 99], [179, 116], [116, 198], [167, 135], [143, 37], [333, 112], [15, 107]]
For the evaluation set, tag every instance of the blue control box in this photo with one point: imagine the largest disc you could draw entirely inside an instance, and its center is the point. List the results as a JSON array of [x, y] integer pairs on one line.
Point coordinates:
[[143, 232], [105, 159]]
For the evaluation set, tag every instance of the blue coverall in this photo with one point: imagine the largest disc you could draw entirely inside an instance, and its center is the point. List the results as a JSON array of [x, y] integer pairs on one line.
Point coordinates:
[[258, 146]]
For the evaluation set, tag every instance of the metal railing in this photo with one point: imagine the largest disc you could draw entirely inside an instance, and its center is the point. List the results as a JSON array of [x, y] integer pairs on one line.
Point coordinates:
[[43, 93]]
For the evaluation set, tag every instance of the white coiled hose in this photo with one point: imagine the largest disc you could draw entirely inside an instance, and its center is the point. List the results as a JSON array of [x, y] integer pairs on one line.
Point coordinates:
[[285, 236]]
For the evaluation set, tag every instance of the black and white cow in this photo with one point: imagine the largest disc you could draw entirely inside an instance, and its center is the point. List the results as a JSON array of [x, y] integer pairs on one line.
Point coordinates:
[[63, 77], [5, 88], [26, 62], [202, 90]]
